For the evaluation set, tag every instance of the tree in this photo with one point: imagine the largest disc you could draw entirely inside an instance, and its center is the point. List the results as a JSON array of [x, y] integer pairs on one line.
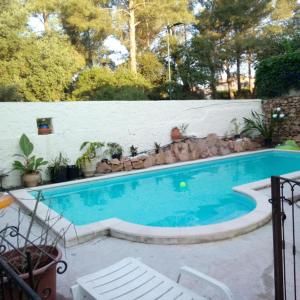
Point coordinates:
[[87, 23], [144, 19], [242, 17], [42, 69], [283, 9], [151, 68], [44, 9], [13, 20]]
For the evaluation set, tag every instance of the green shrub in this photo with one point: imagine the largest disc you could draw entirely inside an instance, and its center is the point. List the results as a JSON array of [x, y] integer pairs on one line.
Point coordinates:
[[9, 93], [101, 83], [277, 75], [243, 94], [222, 95]]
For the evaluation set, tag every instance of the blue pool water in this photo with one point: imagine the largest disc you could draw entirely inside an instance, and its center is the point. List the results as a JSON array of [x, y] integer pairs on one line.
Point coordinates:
[[190, 195]]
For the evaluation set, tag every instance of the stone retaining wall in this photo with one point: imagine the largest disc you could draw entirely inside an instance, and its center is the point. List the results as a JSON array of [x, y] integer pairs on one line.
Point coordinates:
[[290, 128], [184, 150]]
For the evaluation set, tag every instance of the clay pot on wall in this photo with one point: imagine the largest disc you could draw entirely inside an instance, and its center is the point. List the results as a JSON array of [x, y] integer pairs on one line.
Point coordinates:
[[44, 129], [175, 134]]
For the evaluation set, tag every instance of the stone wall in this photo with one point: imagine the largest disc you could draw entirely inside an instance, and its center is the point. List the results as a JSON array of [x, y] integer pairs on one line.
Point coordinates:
[[186, 149], [290, 128]]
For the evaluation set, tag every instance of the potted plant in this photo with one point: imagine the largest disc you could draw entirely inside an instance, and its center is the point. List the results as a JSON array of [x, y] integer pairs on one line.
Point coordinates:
[[133, 150], [183, 129], [236, 131], [73, 172], [259, 124], [58, 169], [175, 134], [36, 263], [87, 161], [30, 166], [43, 127], [114, 150]]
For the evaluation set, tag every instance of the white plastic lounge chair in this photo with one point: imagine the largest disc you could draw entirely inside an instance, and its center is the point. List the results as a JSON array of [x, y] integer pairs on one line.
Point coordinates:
[[131, 279]]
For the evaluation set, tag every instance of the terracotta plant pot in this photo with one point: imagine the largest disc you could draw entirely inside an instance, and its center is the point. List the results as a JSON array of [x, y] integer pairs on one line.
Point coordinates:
[[175, 134], [44, 130], [88, 168], [44, 277], [31, 179]]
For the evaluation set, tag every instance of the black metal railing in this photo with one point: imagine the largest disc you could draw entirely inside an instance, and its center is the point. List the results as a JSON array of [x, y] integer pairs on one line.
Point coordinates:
[[12, 286], [18, 250], [285, 219]]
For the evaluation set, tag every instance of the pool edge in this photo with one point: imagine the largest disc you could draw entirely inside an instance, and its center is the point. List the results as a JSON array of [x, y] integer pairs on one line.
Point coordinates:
[[159, 235]]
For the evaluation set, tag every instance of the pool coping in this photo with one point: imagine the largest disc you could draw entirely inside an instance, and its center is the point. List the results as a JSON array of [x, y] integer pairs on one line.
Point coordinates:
[[77, 234]]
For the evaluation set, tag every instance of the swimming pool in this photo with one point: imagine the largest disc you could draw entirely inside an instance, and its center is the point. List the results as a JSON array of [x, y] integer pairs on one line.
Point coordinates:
[[197, 194]]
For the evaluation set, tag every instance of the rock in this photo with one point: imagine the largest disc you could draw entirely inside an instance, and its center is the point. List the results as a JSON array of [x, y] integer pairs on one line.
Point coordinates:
[[169, 156], [213, 151], [149, 161], [238, 146], [159, 158], [213, 144], [224, 148], [231, 145], [116, 165], [212, 140], [181, 151], [203, 149], [127, 165], [193, 149], [248, 144], [138, 162], [103, 168]]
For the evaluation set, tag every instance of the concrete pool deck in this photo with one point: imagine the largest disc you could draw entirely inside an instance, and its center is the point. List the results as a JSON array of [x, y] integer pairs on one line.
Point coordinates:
[[244, 263]]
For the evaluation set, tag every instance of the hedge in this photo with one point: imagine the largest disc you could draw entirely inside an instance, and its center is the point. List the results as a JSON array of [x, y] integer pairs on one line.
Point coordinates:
[[277, 75]]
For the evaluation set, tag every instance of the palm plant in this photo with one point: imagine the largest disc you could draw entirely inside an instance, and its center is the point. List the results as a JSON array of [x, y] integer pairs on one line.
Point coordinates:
[[258, 123]]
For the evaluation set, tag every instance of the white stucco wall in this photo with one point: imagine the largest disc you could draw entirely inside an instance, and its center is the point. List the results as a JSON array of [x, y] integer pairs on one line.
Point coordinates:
[[140, 123]]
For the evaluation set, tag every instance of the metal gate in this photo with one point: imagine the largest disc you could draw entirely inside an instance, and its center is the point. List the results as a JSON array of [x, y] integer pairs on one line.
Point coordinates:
[[286, 229]]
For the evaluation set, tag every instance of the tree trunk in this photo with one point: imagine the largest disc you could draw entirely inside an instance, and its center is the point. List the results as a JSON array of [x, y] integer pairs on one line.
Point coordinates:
[[238, 71], [46, 22], [229, 81], [213, 84], [90, 61], [250, 72], [132, 41]]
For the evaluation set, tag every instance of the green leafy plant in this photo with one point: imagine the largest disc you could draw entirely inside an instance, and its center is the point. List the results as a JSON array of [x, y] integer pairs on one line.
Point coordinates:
[[157, 147], [277, 75], [57, 163], [289, 145], [30, 163], [114, 150], [183, 128], [90, 152], [258, 123], [133, 150], [236, 127]]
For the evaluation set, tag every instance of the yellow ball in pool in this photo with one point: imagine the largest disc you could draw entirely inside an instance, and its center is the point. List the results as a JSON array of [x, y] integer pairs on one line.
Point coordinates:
[[182, 184]]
